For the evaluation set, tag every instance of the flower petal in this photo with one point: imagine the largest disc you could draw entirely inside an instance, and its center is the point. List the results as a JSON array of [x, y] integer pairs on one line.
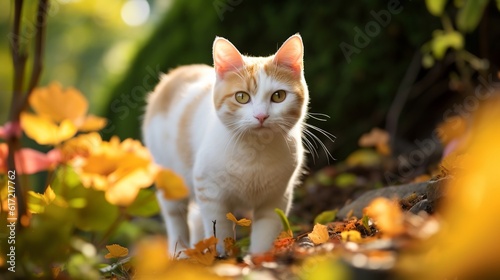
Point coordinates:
[[92, 123], [29, 161], [57, 104], [125, 191], [171, 184], [46, 132]]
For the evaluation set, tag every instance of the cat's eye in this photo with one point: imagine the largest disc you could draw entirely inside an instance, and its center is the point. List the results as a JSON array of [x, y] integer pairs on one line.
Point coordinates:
[[242, 97], [278, 96]]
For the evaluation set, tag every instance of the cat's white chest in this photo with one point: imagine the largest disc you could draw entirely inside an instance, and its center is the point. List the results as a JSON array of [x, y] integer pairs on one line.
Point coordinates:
[[249, 172]]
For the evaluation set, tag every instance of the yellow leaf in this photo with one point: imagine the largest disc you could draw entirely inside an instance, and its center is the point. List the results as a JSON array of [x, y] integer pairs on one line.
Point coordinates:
[[387, 215], [152, 256], [242, 222], [57, 104], [49, 195], [46, 132], [351, 235], [466, 241], [442, 41], [38, 201], [92, 123], [364, 157], [319, 235], [171, 184], [116, 251]]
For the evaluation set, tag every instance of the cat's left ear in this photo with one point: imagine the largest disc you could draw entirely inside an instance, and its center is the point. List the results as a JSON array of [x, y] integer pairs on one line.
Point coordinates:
[[291, 54], [226, 57]]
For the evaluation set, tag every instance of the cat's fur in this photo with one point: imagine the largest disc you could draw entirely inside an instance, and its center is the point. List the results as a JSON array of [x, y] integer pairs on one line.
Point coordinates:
[[231, 155]]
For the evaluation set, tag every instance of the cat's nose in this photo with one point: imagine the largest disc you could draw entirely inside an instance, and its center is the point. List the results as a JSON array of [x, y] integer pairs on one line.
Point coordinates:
[[261, 117]]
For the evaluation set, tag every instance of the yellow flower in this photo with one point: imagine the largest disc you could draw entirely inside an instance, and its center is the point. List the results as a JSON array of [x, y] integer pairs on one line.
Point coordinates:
[[80, 146], [59, 115], [120, 169]]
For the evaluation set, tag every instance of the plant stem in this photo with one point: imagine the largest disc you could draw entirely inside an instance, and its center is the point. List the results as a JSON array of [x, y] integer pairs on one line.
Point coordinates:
[[112, 228], [19, 98]]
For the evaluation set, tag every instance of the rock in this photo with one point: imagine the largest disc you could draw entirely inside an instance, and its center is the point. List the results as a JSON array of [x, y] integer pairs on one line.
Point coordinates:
[[423, 205], [433, 188]]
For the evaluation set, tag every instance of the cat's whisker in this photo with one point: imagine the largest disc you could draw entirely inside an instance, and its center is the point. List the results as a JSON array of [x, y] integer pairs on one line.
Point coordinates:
[[311, 145], [325, 149], [327, 134], [314, 116]]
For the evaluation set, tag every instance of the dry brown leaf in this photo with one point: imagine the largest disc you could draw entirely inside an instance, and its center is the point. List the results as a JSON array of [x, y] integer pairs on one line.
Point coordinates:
[[319, 235]]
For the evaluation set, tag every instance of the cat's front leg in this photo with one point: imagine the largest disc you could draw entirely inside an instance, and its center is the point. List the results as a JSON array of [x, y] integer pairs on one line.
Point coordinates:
[[214, 219], [267, 225]]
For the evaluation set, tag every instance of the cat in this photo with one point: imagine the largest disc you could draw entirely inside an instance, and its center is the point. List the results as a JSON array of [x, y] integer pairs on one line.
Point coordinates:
[[233, 132]]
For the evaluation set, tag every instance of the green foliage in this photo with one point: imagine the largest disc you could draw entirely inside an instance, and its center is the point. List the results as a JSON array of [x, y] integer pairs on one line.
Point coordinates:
[[284, 221], [325, 217], [145, 205], [469, 16], [436, 7], [442, 41]]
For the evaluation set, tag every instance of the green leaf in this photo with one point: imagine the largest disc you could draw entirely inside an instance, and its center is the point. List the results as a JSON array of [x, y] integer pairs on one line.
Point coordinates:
[[98, 214], [284, 221], [427, 60], [435, 7], [345, 180], [498, 4], [470, 15], [36, 203], [243, 243], [445, 40], [325, 217], [144, 205], [365, 221], [65, 179]]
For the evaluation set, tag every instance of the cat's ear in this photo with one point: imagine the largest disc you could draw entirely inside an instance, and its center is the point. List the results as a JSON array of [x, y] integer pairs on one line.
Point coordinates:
[[291, 54], [226, 57]]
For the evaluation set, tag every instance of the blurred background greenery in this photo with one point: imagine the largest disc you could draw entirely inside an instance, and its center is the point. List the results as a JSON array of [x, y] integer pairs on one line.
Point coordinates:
[[114, 50]]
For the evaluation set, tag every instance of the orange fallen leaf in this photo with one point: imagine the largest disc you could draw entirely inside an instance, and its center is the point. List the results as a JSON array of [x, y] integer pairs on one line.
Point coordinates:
[[241, 222], [319, 235], [387, 215], [283, 243], [204, 252], [230, 247], [377, 138], [116, 251]]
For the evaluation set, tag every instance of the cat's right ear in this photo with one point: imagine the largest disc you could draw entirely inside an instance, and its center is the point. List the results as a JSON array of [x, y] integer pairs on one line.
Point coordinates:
[[226, 57]]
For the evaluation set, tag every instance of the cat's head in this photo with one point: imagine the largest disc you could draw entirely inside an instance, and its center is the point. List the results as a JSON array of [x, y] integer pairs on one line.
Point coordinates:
[[254, 93]]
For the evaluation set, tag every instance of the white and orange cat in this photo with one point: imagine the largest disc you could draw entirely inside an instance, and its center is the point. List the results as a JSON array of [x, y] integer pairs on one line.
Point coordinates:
[[233, 132]]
